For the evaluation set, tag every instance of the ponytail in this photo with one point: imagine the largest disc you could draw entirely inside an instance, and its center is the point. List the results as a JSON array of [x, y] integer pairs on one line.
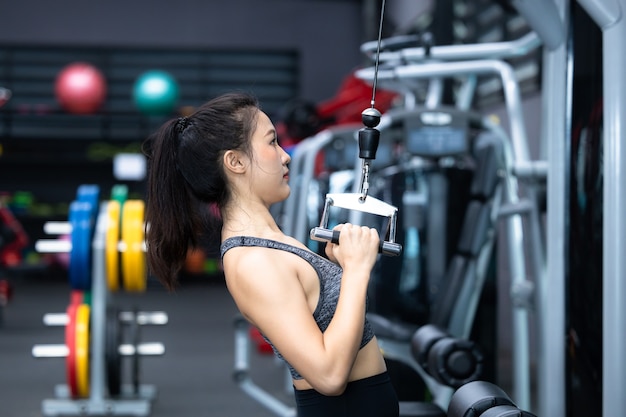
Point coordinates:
[[186, 179], [171, 215]]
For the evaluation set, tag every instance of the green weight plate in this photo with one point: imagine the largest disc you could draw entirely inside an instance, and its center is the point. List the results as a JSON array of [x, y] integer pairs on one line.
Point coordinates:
[[119, 193]]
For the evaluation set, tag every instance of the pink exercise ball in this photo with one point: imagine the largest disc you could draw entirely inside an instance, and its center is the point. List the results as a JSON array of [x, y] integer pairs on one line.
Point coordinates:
[[80, 88]]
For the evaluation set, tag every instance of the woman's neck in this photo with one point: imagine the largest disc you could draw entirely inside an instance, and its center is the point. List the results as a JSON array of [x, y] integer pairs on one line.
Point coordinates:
[[250, 220]]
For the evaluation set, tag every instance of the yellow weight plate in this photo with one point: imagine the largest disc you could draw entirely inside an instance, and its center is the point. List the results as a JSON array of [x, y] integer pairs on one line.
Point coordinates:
[[112, 239], [134, 270], [82, 350]]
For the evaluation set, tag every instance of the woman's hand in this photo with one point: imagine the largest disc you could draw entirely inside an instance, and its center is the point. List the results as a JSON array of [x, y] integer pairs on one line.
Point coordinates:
[[357, 248]]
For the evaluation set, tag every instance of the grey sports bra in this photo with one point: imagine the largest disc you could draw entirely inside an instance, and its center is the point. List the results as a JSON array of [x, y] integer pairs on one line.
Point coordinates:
[[329, 275]]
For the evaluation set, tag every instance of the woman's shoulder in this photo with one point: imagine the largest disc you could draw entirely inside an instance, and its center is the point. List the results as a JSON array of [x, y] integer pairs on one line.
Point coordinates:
[[275, 242], [252, 252], [257, 272]]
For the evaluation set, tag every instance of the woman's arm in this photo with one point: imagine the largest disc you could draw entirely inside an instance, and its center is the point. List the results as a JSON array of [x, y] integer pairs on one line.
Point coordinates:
[[269, 294]]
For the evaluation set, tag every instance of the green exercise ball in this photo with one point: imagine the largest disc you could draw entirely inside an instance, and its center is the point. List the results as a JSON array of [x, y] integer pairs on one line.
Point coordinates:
[[155, 93]]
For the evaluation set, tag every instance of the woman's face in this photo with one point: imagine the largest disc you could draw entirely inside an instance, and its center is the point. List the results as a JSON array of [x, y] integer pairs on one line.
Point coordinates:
[[269, 171]]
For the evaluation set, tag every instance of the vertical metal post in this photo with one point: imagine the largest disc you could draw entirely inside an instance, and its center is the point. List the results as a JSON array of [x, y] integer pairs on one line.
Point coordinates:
[[551, 289], [614, 216], [610, 16], [98, 309]]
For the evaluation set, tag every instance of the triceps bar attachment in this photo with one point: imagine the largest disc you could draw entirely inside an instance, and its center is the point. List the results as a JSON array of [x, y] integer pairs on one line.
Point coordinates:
[[368, 145], [354, 201]]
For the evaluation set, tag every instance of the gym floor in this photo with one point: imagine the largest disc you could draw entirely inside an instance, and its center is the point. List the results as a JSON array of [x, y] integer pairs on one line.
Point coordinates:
[[193, 377]]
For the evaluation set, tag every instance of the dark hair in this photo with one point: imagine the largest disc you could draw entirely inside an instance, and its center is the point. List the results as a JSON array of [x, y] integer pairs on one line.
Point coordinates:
[[186, 178]]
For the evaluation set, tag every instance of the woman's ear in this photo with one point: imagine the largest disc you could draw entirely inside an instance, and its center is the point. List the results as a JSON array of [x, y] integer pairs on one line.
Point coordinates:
[[234, 162]]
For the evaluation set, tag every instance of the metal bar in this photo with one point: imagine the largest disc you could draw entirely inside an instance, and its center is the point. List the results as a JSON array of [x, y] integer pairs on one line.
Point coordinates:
[[551, 373], [126, 349], [610, 16], [314, 145], [614, 220], [242, 374], [453, 69], [517, 268], [53, 246], [144, 318], [57, 228], [493, 50], [98, 308], [352, 201], [290, 210]]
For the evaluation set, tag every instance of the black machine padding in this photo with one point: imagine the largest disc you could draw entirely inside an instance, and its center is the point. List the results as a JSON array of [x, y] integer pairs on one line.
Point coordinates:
[[486, 175], [474, 398], [506, 411], [475, 227], [385, 328], [451, 361], [443, 305], [420, 409]]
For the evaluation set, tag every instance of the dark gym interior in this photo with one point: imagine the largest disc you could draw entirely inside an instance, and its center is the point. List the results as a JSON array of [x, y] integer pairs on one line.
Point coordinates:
[[546, 304]]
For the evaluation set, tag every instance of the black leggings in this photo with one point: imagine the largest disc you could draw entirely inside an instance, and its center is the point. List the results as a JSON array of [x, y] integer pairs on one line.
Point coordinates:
[[369, 397]]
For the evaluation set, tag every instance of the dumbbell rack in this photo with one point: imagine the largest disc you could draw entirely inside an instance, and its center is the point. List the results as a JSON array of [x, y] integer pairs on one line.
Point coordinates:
[[133, 399]]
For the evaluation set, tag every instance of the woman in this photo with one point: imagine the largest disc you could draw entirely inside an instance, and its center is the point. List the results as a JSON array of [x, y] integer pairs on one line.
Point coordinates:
[[311, 310]]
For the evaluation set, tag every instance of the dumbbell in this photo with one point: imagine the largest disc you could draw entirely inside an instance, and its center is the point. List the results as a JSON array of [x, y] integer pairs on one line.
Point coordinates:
[[76, 348], [449, 360]]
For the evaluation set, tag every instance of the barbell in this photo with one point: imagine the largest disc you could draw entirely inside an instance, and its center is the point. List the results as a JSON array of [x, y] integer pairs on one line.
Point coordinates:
[[76, 349], [125, 244]]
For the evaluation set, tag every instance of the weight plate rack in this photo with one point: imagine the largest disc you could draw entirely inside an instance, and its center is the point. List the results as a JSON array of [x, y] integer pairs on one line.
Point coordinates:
[[107, 255]]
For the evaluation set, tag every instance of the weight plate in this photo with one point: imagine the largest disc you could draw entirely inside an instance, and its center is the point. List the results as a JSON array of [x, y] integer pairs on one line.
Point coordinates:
[[76, 297], [119, 193], [90, 193], [87, 297], [80, 297], [82, 350], [112, 240], [70, 342], [113, 359], [80, 255], [133, 255]]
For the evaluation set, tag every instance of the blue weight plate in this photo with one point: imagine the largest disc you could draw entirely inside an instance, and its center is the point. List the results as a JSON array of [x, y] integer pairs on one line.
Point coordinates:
[[90, 193], [80, 255]]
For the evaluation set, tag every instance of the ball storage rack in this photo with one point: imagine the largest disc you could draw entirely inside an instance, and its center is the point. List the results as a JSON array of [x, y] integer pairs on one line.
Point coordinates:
[[107, 255]]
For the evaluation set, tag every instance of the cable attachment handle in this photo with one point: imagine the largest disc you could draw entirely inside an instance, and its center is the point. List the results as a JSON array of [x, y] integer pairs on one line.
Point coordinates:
[[371, 205]]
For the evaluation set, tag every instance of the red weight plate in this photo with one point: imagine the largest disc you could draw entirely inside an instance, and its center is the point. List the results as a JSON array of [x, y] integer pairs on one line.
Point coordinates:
[[76, 297], [70, 342]]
